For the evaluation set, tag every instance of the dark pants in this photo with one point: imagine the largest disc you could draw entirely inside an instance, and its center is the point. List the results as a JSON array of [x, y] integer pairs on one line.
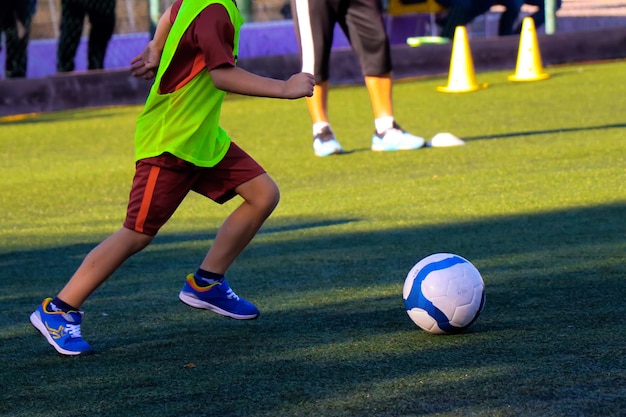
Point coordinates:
[[21, 11], [539, 16], [102, 20], [463, 12], [361, 22]]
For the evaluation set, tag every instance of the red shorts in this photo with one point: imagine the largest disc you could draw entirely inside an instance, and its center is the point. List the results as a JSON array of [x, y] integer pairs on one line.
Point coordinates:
[[162, 182]]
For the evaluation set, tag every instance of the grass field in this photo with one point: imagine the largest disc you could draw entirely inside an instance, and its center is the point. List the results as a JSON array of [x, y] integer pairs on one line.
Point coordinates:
[[536, 200]]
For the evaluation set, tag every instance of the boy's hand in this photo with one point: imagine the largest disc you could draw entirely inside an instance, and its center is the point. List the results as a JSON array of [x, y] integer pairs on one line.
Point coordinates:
[[299, 85], [145, 64]]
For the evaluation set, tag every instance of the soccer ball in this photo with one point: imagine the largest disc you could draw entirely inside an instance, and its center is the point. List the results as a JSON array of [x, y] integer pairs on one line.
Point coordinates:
[[444, 293]]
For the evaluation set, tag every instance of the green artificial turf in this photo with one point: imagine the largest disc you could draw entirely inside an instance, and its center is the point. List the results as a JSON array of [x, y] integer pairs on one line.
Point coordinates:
[[536, 200]]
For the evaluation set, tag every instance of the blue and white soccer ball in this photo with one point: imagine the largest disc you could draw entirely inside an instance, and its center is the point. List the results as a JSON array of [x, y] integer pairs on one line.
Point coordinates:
[[444, 293]]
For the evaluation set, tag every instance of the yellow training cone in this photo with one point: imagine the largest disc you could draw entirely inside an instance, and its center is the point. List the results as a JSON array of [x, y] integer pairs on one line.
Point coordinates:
[[529, 66], [461, 78]]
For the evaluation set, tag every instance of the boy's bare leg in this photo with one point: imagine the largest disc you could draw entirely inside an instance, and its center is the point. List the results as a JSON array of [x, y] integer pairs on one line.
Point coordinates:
[[260, 195], [100, 263]]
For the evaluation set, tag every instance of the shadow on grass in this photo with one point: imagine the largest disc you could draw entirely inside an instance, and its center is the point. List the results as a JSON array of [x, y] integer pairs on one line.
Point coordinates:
[[547, 131], [333, 338], [513, 135]]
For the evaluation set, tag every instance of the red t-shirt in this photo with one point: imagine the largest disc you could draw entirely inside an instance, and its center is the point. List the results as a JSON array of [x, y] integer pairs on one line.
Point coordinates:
[[208, 43]]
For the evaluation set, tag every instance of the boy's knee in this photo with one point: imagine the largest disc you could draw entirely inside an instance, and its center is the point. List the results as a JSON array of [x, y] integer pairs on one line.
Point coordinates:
[[272, 197], [137, 240], [261, 192]]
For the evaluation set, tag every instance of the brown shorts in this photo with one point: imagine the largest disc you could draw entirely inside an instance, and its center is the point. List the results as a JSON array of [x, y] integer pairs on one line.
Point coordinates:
[[162, 182]]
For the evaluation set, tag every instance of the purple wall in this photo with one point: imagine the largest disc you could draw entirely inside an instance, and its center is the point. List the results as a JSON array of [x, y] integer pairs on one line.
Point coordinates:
[[257, 39]]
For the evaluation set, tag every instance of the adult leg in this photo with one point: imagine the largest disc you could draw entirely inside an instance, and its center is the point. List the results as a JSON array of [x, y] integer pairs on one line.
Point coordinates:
[[324, 141], [509, 16], [72, 19], [17, 38], [460, 13], [539, 16], [314, 23], [364, 27], [317, 104], [380, 92], [102, 19], [16, 59]]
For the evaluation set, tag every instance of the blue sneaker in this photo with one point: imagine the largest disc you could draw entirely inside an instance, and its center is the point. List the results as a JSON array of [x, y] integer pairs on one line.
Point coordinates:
[[325, 144], [396, 139], [219, 298], [61, 330]]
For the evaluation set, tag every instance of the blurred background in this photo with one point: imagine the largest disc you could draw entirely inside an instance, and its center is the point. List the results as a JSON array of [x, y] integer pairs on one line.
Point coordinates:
[[268, 30], [137, 15]]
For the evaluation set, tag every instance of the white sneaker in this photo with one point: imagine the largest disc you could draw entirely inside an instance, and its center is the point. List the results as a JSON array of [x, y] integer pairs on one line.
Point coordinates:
[[396, 139], [325, 144]]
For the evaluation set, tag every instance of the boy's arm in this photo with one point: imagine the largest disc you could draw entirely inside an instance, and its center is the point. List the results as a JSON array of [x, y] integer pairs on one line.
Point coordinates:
[[239, 81], [145, 64]]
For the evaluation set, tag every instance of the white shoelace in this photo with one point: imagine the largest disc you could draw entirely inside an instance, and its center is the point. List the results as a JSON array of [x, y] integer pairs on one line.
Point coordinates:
[[231, 294], [73, 330]]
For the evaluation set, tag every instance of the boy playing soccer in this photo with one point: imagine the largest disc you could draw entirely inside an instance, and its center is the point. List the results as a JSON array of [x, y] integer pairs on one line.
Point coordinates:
[[180, 147]]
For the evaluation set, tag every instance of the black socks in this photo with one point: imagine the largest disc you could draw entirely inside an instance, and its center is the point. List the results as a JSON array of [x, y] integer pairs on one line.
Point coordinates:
[[204, 278], [59, 305]]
